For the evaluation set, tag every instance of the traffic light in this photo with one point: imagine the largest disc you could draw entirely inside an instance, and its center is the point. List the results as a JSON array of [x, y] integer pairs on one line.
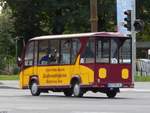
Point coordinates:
[[127, 20]]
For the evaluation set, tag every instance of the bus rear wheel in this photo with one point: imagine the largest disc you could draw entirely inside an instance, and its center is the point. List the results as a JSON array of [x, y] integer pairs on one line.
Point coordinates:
[[77, 91], [111, 94], [35, 91]]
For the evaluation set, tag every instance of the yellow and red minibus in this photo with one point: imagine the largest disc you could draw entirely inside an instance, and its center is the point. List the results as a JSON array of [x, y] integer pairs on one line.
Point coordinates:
[[77, 63]]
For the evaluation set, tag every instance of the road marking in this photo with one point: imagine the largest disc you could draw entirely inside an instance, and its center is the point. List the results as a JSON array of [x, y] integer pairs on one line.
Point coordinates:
[[134, 90], [32, 108], [92, 112]]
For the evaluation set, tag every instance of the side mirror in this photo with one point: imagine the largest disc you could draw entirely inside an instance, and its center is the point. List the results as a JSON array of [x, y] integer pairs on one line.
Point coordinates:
[[19, 61]]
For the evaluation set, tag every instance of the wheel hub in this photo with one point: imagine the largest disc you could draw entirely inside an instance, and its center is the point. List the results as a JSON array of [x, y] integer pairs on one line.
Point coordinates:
[[76, 90], [34, 88]]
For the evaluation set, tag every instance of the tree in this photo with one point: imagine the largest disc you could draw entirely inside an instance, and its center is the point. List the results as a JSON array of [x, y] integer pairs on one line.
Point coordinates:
[[42, 17], [6, 38], [143, 13], [107, 15]]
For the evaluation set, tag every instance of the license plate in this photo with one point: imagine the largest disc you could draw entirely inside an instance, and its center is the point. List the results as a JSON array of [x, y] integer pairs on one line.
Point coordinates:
[[115, 85]]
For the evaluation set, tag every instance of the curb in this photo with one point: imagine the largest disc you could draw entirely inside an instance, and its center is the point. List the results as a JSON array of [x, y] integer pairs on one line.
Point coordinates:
[[8, 87], [1, 83]]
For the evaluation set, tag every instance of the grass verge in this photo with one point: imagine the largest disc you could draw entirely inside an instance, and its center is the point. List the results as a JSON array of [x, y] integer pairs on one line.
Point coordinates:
[[9, 77], [142, 78], [16, 77]]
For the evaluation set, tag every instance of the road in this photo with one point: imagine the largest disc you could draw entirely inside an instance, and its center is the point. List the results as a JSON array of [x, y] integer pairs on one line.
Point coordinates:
[[13, 100]]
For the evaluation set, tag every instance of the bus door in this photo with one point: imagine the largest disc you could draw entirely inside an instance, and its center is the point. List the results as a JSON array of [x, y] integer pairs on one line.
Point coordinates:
[[35, 55], [28, 64], [75, 59], [87, 62], [47, 70], [53, 62], [102, 70], [65, 60]]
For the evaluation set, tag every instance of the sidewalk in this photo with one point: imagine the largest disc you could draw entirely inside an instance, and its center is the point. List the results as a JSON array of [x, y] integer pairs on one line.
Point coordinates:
[[9, 84], [138, 87]]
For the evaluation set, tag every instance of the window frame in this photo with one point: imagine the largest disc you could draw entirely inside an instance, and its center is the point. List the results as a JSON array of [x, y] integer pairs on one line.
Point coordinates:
[[60, 50], [110, 53], [78, 51], [49, 40], [38, 64], [59, 45], [130, 52], [84, 49], [26, 48], [102, 51]]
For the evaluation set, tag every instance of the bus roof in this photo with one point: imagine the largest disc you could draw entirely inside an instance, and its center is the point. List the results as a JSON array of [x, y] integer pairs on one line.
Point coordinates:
[[105, 34]]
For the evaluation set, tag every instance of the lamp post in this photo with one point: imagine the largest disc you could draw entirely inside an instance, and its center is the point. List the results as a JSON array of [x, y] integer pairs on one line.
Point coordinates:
[[16, 41], [94, 17]]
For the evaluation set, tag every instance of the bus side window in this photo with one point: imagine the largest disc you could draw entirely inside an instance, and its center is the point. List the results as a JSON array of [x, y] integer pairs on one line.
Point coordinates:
[[53, 52], [114, 51], [29, 54], [88, 55], [43, 52], [102, 50], [75, 49], [125, 51], [65, 51]]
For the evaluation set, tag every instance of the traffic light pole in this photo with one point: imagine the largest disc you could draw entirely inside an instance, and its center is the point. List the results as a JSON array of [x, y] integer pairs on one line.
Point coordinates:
[[133, 34]]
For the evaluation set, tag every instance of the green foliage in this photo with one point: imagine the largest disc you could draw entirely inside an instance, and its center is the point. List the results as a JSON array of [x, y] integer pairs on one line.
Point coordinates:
[[9, 77], [42, 17], [143, 12], [30, 18], [6, 39], [142, 78], [107, 15]]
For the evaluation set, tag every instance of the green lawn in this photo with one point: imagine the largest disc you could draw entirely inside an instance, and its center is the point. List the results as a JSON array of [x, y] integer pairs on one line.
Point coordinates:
[[9, 77], [142, 78]]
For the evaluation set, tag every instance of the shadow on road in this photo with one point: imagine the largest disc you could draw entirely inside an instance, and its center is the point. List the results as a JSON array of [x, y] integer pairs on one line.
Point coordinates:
[[8, 87], [83, 98]]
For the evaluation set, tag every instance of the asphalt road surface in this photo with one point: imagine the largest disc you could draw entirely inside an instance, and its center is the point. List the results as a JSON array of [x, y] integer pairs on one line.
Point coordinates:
[[128, 101]]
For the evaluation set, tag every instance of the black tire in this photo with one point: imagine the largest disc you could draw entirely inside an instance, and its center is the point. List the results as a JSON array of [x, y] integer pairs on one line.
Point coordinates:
[[76, 89], [68, 93], [35, 91], [111, 94]]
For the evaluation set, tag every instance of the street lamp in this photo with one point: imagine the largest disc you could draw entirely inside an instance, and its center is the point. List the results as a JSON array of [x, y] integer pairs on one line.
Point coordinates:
[[16, 41]]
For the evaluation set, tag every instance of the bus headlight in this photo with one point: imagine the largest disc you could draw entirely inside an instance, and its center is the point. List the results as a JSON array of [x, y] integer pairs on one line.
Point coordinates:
[[125, 73]]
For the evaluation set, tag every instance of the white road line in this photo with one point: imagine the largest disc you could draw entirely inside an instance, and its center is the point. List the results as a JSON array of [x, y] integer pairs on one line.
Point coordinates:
[[134, 90], [92, 112], [32, 108]]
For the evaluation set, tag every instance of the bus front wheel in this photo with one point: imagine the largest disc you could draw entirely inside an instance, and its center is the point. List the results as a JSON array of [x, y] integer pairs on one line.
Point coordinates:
[[35, 91], [111, 94], [77, 91]]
